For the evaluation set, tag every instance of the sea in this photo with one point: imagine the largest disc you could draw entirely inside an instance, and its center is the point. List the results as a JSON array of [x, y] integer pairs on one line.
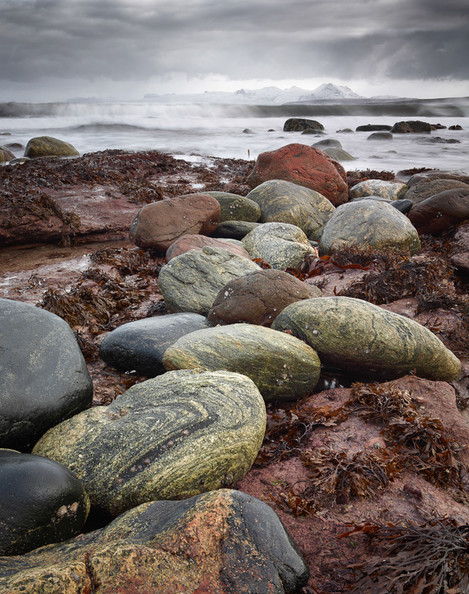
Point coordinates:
[[195, 132]]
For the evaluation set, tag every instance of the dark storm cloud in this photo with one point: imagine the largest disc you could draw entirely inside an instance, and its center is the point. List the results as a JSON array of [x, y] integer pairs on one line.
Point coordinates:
[[130, 40]]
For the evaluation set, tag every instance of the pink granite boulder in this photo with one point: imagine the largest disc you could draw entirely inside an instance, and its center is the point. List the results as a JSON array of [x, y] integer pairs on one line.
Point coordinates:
[[197, 242], [159, 224], [303, 165]]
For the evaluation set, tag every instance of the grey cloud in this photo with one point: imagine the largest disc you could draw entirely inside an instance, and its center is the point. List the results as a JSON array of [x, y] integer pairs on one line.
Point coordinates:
[[132, 40]]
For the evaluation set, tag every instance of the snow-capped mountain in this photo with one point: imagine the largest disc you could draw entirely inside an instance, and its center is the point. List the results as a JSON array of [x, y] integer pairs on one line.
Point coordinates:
[[264, 96]]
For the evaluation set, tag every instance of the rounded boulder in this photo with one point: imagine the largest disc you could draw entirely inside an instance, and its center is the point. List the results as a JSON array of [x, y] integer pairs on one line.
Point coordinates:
[[47, 146], [366, 340], [197, 242], [236, 208], [41, 502], [441, 211], [281, 366], [369, 223], [378, 187], [170, 437]]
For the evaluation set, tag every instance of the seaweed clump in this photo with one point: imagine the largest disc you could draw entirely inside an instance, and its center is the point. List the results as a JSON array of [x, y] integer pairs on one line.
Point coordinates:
[[428, 559]]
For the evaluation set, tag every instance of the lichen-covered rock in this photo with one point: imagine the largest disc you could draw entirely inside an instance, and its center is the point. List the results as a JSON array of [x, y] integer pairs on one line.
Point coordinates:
[[140, 345], [378, 187], [441, 211], [281, 366], [41, 502], [428, 187], [285, 202], [158, 224], [369, 223], [305, 166], [197, 242], [366, 340], [258, 297], [47, 146], [281, 245], [301, 124], [191, 281], [338, 154], [236, 208], [44, 376], [171, 437], [224, 541]]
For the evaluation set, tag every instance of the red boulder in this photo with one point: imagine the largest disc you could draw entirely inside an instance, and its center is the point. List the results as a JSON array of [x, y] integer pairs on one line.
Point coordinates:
[[159, 224], [303, 165]]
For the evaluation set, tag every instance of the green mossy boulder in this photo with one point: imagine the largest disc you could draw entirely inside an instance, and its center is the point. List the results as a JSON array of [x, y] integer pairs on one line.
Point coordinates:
[[369, 223], [285, 202], [191, 281], [366, 340], [47, 146], [281, 366], [236, 208], [171, 437]]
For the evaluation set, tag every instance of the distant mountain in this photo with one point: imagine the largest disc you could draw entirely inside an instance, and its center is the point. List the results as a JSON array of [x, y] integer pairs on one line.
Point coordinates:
[[264, 96]]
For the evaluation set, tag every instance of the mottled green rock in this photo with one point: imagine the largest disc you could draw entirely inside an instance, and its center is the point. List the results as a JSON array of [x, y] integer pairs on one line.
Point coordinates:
[[299, 124], [378, 187], [236, 208], [46, 146], [369, 223], [367, 340], [281, 245], [281, 366], [285, 202], [224, 541], [338, 154], [171, 437], [191, 281]]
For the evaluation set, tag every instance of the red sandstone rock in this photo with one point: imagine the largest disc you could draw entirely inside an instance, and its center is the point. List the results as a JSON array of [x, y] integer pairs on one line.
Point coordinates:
[[159, 224], [197, 242], [303, 165]]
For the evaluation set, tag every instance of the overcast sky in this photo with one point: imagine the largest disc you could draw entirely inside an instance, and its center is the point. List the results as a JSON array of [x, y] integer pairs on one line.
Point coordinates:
[[56, 49]]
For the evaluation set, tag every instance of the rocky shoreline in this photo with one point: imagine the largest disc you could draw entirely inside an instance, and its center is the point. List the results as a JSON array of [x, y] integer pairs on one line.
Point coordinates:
[[346, 458]]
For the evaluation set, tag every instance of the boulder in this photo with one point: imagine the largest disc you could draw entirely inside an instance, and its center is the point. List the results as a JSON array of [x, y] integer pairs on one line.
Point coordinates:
[[236, 208], [158, 224], [366, 340], [428, 187], [191, 281], [170, 437], [46, 146], [139, 346], [378, 187], [373, 128], [369, 223], [433, 174], [223, 541], [258, 298], [5, 154], [305, 166], [327, 143], [300, 124], [381, 136], [455, 127], [411, 126], [234, 229], [197, 242], [41, 502], [285, 202], [439, 212], [281, 245], [281, 366], [338, 154], [44, 375]]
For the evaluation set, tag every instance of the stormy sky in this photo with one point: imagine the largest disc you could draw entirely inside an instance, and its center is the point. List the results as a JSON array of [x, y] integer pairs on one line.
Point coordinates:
[[56, 49]]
